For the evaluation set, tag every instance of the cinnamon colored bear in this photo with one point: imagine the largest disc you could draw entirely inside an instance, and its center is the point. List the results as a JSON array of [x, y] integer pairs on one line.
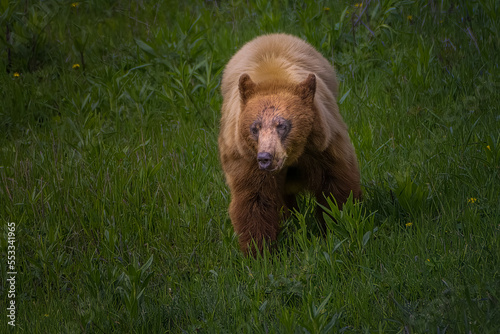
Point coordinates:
[[281, 133]]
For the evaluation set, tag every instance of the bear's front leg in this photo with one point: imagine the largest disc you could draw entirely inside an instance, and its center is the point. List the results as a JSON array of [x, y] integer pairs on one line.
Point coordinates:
[[255, 210], [339, 179]]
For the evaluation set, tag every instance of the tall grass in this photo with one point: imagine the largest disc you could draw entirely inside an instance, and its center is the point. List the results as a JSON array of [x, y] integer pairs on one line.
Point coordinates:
[[108, 168]]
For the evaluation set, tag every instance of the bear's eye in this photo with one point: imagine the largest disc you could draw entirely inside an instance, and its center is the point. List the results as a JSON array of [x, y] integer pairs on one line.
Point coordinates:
[[254, 129], [283, 127]]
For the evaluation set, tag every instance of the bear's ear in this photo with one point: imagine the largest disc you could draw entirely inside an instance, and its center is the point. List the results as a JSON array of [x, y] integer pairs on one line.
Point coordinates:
[[307, 88], [247, 87]]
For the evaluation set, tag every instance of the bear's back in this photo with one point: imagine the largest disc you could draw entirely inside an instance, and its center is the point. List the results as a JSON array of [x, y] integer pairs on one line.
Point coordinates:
[[277, 57]]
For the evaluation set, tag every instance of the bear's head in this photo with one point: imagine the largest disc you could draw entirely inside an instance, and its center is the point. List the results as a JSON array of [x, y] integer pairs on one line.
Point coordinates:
[[276, 120]]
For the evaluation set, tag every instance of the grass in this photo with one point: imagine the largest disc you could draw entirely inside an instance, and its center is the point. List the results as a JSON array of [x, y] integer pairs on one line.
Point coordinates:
[[108, 168]]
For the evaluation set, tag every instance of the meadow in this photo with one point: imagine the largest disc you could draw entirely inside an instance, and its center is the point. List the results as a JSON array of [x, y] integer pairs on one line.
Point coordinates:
[[109, 171]]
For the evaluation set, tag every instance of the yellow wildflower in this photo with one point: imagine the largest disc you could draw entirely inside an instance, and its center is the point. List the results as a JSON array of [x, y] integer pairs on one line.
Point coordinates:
[[16, 75], [358, 5], [488, 147], [409, 18], [75, 4], [326, 9], [409, 224], [46, 315], [472, 200], [76, 66], [428, 260]]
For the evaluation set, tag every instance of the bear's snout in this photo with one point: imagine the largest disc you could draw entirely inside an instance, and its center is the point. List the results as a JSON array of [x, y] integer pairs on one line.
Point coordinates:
[[265, 159]]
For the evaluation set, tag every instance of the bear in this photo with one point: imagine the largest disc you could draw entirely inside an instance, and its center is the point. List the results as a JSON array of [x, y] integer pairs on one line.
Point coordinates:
[[281, 134]]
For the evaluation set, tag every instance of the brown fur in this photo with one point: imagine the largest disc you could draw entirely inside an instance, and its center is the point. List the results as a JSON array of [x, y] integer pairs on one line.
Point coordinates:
[[281, 133]]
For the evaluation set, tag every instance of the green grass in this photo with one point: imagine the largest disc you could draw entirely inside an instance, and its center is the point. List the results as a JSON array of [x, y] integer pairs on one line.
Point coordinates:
[[111, 175]]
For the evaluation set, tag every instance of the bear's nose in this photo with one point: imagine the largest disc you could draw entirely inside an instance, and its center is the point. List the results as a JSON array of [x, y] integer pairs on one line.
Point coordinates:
[[264, 159]]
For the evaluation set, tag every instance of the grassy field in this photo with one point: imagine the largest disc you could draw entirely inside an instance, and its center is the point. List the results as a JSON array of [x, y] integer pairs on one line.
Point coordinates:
[[109, 171]]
